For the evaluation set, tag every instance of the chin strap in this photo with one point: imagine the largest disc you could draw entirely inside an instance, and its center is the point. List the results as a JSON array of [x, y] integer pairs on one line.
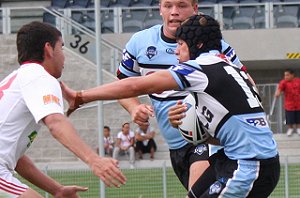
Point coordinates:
[[78, 102]]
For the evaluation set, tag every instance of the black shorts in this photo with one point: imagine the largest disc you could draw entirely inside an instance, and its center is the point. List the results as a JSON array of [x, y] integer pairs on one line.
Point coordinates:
[[237, 178], [139, 146], [292, 117], [183, 158]]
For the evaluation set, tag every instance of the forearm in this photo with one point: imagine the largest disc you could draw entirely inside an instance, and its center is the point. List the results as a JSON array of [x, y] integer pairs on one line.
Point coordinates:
[[129, 103], [62, 130], [31, 173]]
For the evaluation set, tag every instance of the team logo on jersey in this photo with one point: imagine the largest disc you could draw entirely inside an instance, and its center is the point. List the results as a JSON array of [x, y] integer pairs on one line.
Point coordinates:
[[50, 99], [182, 69], [170, 51], [215, 188], [151, 51], [200, 149], [257, 122]]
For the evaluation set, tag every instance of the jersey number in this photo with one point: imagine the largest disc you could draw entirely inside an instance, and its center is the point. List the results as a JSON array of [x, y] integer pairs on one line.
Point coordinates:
[[6, 85], [252, 101]]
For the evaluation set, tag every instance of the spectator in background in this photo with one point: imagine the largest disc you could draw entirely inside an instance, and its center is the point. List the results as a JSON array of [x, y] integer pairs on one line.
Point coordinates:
[[145, 143], [125, 144], [290, 85], [108, 142]]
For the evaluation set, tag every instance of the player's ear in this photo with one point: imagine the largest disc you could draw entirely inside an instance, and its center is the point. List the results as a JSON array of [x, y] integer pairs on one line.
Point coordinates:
[[48, 50]]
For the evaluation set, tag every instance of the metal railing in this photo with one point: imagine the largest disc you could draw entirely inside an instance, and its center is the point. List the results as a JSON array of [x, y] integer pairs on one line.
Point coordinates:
[[160, 182]]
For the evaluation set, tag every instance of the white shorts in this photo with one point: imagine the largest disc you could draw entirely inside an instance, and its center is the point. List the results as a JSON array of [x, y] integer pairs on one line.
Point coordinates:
[[10, 187]]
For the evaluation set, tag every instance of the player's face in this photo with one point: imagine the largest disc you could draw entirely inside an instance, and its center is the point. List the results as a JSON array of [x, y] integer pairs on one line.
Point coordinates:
[[288, 76], [126, 129], [58, 58], [182, 51], [106, 132], [174, 12]]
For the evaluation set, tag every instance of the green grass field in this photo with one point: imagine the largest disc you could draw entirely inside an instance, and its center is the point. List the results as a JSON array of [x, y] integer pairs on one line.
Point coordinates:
[[148, 183]]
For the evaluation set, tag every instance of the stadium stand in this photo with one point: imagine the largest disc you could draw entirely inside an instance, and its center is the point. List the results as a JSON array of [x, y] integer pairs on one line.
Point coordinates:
[[244, 18], [133, 21], [152, 18]]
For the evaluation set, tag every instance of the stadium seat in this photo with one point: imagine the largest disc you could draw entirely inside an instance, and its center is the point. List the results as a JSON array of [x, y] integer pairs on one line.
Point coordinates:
[[49, 18], [78, 4], [107, 21], [207, 10], [77, 16], [228, 13], [59, 3], [133, 20], [286, 16], [119, 3], [248, 1], [155, 3], [260, 18], [244, 17], [242, 22], [228, 1], [140, 3], [207, 2], [287, 21], [152, 18]]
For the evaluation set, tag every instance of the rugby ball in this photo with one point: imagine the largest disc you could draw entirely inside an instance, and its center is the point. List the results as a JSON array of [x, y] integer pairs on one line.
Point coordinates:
[[192, 129]]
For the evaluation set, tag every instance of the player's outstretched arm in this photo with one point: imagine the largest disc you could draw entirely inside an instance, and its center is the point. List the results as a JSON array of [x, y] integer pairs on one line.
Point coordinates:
[[106, 169], [30, 172], [139, 112], [126, 88]]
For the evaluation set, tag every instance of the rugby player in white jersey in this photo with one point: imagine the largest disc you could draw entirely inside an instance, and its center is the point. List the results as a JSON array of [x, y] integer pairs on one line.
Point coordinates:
[[29, 97]]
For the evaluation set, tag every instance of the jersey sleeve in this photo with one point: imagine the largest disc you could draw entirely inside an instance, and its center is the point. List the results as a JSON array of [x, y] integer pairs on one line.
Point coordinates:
[[188, 77], [228, 51], [128, 66], [43, 97]]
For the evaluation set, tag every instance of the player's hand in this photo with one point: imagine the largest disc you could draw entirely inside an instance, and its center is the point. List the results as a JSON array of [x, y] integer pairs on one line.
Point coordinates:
[[70, 191], [72, 97], [140, 114], [107, 169], [176, 113]]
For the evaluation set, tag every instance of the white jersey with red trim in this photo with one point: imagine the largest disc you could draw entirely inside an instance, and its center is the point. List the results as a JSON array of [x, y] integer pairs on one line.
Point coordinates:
[[27, 95]]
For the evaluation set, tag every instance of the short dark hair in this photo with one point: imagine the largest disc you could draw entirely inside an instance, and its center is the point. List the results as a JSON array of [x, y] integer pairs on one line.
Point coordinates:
[[200, 29], [125, 124], [31, 39], [106, 127], [291, 71]]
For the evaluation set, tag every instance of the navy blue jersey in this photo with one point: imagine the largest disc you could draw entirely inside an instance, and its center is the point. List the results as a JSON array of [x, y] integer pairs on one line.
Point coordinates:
[[227, 106]]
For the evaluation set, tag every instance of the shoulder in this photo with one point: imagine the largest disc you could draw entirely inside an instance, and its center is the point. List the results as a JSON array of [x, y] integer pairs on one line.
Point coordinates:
[[33, 72]]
